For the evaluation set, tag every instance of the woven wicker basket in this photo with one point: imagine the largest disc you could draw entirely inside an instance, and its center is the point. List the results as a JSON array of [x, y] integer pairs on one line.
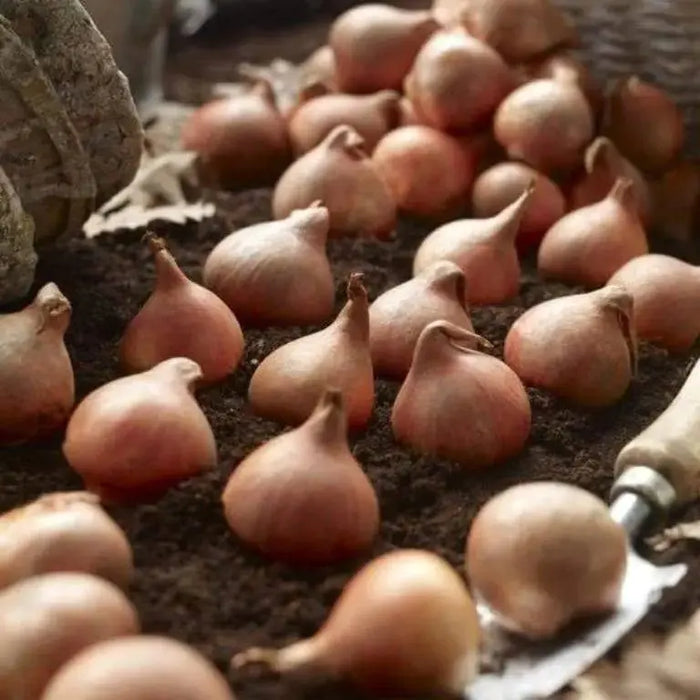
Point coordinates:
[[659, 40]]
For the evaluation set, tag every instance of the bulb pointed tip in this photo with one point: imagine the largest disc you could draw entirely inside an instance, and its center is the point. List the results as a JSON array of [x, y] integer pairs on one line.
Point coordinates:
[[154, 242], [355, 286]]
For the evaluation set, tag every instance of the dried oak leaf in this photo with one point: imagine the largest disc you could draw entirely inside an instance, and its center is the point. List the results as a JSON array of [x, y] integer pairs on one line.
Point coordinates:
[[157, 193], [650, 669]]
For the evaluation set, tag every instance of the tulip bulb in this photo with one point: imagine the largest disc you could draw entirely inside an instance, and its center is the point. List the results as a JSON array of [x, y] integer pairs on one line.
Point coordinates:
[[546, 123], [242, 140], [372, 116], [529, 556], [339, 173], [581, 348], [370, 635], [138, 668], [666, 294], [375, 45], [429, 173], [48, 619], [604, 166], [645, 124], [302, 497], [37, 388], [63, 532], [518, 29], [460, 404], [181, 319], [457, 82], [276, 273], [398, 317], [588, 245], [676, 202], [484, 249], [137, 436], [289, 382], [502, 184]]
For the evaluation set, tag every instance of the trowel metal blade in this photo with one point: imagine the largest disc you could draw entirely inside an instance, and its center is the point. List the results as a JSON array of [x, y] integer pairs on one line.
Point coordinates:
[[535, 670]]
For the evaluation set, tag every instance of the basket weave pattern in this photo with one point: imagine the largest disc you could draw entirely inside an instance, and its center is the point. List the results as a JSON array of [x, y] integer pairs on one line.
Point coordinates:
[[659, 40]]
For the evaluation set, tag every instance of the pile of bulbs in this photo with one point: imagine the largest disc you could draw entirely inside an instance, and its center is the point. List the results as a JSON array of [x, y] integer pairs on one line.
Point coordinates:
[[423, 113]]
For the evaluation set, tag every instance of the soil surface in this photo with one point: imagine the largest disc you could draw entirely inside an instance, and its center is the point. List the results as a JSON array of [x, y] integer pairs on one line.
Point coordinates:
[[194, 581]]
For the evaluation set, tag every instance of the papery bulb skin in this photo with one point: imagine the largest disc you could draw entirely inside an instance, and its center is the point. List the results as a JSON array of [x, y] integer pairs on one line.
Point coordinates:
[[288, 383], [369, 638], [645, 124], [398, 317], [372, 116], [588, 245], [457, 82], [37, 387], [502, 184], [519, 30], [181, 319], [529, 554], [546, 123], [302, 498], [66, 532], [339, 173], [134, 438], [565, 66], [581, 348], [429, 173], [666, 294], [375, 45], [460, 404], [604, 165], [242, 140], [484, 249], [676, 202], [276, 273]]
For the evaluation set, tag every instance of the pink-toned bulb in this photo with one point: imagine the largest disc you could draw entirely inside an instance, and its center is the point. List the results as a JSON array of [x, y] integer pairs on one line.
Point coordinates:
[[37, 387], [459, 403], [181, 319], [484, 249], [134, 438], [581, 348], [289, 382], [398, 317]]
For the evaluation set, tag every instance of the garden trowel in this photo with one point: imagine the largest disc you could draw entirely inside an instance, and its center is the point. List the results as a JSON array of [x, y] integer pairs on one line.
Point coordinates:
[[660, 468]]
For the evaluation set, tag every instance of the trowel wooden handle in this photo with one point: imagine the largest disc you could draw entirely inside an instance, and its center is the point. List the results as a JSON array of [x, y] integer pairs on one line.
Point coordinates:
[[670, 446]]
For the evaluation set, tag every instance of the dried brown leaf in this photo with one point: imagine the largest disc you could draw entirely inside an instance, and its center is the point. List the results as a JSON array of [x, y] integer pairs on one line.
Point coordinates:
[[157, 193]]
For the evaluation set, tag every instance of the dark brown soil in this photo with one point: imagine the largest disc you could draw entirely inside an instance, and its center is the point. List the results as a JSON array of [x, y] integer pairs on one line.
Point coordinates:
[[194, 581]]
